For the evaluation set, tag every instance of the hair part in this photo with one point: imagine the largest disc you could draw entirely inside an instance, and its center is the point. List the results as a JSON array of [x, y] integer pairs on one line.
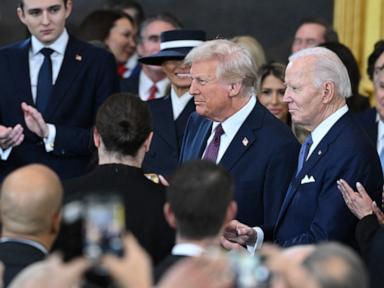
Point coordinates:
[[199, 194], [235, 63], [124, 123], [327, 67]]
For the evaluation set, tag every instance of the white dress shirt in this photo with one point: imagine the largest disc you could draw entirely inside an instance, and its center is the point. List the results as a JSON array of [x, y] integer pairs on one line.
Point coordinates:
[[145, 85], [179, 103], [187, 249], [380, 134], [230, 127]]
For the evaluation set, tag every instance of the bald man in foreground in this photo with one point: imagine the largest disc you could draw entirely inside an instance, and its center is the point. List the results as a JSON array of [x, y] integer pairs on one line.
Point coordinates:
[[30, 204]]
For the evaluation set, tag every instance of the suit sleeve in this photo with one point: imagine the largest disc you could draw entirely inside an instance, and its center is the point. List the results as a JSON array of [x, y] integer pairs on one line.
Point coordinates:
[[332, 218], [72, 140]]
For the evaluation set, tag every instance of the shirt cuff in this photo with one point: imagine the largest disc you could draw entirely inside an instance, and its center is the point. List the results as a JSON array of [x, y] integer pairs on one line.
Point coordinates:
[[259, 241], [49, 141], [4, 154]]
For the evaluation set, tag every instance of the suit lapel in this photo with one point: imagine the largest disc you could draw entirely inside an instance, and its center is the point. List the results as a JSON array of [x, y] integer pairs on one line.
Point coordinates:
[[244, 138], [20, 70], [72, 63], [201, 139], [319, 152], [165, 123]]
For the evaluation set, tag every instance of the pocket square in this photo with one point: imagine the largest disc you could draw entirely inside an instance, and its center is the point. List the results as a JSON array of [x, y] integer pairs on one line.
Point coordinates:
[[307, 179]]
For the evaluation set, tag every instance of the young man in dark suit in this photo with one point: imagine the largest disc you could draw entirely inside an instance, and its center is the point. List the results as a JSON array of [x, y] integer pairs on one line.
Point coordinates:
[[30, 203], [52, 85], [199, 203], [256, 148]]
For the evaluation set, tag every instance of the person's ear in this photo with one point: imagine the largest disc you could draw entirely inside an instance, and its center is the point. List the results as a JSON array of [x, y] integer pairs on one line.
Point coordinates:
[[21, 15], [96, 138], [234, 89], [56, 220], [328, 91], [68, 8], [169, 215], [147, 142]]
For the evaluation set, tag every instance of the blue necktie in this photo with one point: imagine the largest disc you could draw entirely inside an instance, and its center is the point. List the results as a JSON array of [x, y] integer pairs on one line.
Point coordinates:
[[44, 81], [304, 152], [214, 145]]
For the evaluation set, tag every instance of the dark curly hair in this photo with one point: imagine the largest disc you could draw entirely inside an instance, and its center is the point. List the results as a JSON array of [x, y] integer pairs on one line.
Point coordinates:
[[124, 123], [377, 51]]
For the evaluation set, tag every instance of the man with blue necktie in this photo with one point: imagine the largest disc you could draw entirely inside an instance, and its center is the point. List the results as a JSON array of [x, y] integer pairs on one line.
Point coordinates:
[[313, 209], [52, 85]]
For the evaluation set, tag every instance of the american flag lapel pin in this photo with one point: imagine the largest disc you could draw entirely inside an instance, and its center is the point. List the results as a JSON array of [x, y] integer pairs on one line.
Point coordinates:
[[245, 141], [78, 57]]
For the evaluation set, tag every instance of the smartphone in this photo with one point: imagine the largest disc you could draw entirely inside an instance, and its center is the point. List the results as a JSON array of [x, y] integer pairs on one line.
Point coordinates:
[[104, 223]]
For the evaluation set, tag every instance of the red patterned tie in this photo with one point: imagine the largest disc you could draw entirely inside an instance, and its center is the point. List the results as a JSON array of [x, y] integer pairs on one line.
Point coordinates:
[[152, 92]]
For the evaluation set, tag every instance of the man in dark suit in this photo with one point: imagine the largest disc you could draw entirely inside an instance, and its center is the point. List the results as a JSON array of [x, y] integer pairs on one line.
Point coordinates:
[[122, 136], [199, 203], [30, 205], [313, 209], [257, 149], [170, 113], [48, 101], [148, 81]]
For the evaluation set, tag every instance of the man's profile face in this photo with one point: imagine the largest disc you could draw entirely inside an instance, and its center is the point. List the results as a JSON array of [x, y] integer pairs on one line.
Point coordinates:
[[45, 19], [301, 94], [308, 35], [211, 95]]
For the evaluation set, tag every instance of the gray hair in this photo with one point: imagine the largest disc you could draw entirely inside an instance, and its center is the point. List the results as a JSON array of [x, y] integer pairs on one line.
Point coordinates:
[[161, 17], [235, 62], [336, 266], [327, 67]]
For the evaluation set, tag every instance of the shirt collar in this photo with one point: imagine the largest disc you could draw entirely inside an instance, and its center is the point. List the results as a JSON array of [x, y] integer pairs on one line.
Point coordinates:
[[58, 46], [231, 125], [321, 130], [187, 249], [32, 243]]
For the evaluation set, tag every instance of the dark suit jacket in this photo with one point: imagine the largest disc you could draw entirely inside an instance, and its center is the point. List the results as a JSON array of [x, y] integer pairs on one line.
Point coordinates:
[[163, 155], [131, 84], [315, 211], [165, 265], [262, 167], [87, 76], [143, 201], [16, 256], [367, 119]]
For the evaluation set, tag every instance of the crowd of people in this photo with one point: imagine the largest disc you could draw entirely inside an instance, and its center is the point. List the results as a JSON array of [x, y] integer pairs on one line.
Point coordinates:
[[229, 170]]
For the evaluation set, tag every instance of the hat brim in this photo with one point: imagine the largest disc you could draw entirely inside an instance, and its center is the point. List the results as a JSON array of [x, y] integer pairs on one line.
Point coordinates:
[[159, 58]]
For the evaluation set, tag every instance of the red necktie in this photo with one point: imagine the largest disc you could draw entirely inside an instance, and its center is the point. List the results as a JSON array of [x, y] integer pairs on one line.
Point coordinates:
[[121, 69], [152, 92]]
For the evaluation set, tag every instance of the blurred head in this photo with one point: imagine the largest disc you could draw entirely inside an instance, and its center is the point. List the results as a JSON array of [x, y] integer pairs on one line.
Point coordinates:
[[337, 266], [130, 7], [271, 89], [224, 77], [376, 74], [30, 202], [150, 30], [317, 85], [115, 29], [124, 124], [312, 32], [199, 200], [253, 46], [45, 19]]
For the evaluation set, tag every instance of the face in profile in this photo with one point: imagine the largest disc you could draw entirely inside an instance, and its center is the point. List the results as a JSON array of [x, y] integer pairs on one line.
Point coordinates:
[[121, 40], [378, 81], [45, 19], [271, 96]]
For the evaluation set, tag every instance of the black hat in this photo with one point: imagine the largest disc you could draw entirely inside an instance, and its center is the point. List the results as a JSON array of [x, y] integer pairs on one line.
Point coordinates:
[[175, 45]]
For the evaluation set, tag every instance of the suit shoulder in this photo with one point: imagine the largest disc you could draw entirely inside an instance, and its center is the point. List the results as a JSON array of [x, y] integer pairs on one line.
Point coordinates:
[[89, 49], [14, 47]]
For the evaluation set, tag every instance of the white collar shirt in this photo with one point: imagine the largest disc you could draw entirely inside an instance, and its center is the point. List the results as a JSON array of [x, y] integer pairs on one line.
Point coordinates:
[[145, 85]]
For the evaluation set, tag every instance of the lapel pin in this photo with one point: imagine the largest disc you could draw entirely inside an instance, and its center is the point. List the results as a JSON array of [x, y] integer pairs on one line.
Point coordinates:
[[245, 141], [78, 57], [319, 153]]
